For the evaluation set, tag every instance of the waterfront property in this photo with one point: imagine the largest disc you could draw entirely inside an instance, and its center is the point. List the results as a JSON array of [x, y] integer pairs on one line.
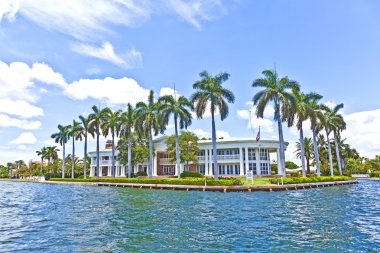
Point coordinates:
[[235, 157]]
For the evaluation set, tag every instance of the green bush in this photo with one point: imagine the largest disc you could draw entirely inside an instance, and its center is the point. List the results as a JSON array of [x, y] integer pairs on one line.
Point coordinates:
[[141, 174], [302, 180], [170, 181], [374, 174], [186, 174]]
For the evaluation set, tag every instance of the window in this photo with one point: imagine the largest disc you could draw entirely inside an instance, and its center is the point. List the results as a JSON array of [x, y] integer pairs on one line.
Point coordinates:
[[264, 154], [264, 168], [252, 166], [251, 154], [105, 158], [229, 169], [202, 168]]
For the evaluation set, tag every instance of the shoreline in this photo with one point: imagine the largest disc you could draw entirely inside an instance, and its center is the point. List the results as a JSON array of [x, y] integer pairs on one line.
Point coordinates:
[[237, 188]]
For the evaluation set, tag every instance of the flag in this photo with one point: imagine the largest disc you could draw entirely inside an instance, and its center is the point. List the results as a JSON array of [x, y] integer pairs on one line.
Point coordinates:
[[258, 135]]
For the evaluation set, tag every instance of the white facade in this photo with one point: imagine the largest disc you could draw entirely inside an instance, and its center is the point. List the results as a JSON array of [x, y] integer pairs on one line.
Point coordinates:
[[234, 157]]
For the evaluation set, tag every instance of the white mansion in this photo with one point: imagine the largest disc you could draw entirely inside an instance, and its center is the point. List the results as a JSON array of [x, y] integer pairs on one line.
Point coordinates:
[[235, 157]]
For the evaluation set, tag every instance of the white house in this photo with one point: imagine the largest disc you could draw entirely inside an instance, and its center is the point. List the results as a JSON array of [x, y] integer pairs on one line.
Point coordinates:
[[235, 157]]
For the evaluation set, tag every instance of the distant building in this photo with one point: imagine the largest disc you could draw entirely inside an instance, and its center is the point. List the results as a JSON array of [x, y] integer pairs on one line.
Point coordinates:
[[235, 157]]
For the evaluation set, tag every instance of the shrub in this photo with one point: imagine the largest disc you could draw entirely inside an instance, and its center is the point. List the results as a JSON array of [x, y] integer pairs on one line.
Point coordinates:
[[374, 174], [302, 180], [141, 174], [186, 174], [170, 181]]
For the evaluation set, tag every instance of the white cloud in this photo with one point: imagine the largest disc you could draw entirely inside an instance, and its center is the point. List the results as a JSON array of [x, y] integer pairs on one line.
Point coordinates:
[[114, 91], [8, 9], [84, 19], [132, 59], [22, 147], [222, 134], [200, 133], [19, 108], [17, 79], [6, 121], [93, 71], [25, 138], [363, 132], [197, 10], [168, 91]]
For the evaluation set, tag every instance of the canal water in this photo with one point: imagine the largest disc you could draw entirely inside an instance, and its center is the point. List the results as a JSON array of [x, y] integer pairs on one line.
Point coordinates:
[[59, 218]]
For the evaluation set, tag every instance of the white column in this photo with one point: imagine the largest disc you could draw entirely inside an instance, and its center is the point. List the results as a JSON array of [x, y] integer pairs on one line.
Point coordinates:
[[91, 171], [122, 168], [211, 172], [109, 173], [155, 164], [241, 161], [246, 160], [278, 160], [258, 162], [206, 163]]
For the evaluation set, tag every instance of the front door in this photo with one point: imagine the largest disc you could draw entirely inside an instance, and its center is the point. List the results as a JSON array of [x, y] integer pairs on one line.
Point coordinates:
[[104, 171]]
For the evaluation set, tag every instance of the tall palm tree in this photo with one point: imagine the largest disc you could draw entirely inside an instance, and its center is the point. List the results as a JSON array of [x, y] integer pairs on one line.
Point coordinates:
[[61, 137], [338, 124], [149, 120], [308, 151], [75, 132], [96, 119], [180, 108], [315, 122], [127, 120], [43, 153], [86, 129], [302, 111], [210, 91], [111, 124], [277, 90]]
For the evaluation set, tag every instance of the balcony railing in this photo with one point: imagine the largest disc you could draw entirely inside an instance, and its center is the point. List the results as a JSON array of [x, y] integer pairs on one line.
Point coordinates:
[[201, 158], [228, 157], [166, 161]]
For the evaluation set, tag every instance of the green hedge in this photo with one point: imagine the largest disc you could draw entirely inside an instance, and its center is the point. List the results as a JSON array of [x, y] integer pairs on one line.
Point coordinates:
[[302, 180], [186, 174], [374, 174], [172, 181]]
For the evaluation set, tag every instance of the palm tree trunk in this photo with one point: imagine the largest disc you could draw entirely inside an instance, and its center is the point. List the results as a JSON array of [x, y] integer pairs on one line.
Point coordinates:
[[330, 155], [72, 159], [282, 147], [308, 165], [129, 156], [42, 162], [337, 153], [150, 153], [97, 153], [63, 160], [316, 152], [302, 143], [216, 170], [85, 156], [177, 156], [113, 171]]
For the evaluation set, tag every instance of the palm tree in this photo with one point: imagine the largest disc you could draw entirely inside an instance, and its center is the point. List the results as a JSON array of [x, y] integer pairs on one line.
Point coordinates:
[[111, 124], [51, 154], [61, 137], [210, 91], [96, 119], [338, 125], [149, 120], [308, 151], [86, 129], [276, 90], [180, 110], [43, 154], [302, 111], [75, 132], [315, 121], [127, 120]]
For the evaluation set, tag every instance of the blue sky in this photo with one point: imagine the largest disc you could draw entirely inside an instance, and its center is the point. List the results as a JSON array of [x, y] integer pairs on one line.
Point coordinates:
[[58, 58]]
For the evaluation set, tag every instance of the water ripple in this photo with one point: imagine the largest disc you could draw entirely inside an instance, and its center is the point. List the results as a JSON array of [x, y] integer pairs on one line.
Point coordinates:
[[60, 218]]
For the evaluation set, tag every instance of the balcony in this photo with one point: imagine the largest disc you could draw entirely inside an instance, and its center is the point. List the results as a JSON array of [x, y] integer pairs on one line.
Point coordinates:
[[164, 161], [227, 157], [201, 158]]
